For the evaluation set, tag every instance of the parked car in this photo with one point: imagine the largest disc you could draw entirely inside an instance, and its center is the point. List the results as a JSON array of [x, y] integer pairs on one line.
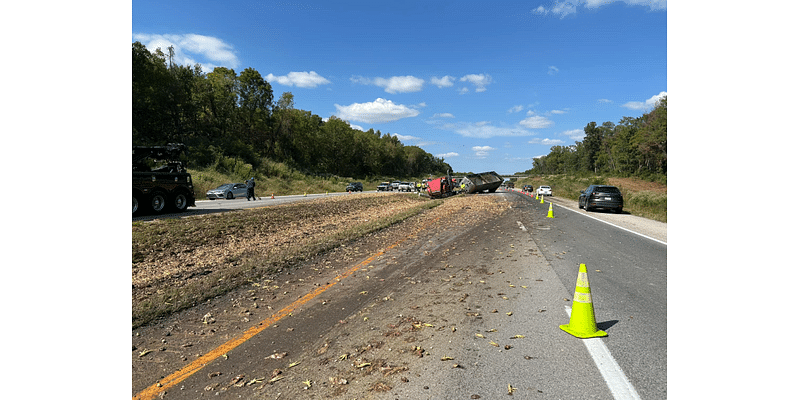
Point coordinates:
[[404, 187], [354, 187], [395, 185], [527, 188], [228, 191], [384, 187], [601, 196], [544, 191]]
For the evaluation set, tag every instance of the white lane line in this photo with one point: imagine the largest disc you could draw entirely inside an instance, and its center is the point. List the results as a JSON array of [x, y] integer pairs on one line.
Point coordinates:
[[619, 385], [609, 223]]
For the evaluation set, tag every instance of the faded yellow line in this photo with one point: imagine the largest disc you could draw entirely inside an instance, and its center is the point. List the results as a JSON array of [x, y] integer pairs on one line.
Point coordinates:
[[198, 364]]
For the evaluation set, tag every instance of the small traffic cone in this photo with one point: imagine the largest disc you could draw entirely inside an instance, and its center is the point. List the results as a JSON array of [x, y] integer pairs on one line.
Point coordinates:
[[273, 195], [537, 196], [581, 321], [305, 194], [550, 211], [542, 202]]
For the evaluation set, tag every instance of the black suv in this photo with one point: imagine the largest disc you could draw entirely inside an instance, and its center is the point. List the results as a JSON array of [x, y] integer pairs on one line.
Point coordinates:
[[527, 188], [601, 196], [354, 187]]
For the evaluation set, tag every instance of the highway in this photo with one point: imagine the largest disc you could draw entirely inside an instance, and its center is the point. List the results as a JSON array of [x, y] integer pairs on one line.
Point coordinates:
[[452, 310]]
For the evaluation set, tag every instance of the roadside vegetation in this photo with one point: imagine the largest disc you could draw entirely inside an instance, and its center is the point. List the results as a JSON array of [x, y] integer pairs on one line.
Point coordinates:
[[643, 198], [179, 263]]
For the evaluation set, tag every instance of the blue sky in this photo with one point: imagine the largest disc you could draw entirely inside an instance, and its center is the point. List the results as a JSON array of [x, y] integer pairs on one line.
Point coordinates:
[[485, 85]]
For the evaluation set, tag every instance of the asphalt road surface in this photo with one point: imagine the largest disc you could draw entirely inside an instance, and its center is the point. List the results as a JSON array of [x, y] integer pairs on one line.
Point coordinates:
[[451, 311], [203, 206]]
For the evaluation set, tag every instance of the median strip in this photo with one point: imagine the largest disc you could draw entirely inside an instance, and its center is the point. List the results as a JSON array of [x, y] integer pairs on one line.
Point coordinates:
[[187, 371]]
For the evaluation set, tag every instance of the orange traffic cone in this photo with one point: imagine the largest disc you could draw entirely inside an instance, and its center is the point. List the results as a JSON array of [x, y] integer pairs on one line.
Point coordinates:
[[273, 195], [581, 321]]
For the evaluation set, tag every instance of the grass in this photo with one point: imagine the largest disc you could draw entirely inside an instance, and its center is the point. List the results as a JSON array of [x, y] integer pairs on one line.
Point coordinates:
[[644, 199], [275, 178], [166, 237]]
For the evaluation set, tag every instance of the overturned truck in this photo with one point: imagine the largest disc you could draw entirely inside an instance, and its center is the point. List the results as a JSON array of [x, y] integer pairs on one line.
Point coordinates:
[[482, 182], [160, 182]]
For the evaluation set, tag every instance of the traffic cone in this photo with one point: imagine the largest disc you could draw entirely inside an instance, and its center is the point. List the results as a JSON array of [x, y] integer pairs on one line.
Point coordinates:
[[542, 202], [581, 321], [305, 194], [550, 211], [273, 195]]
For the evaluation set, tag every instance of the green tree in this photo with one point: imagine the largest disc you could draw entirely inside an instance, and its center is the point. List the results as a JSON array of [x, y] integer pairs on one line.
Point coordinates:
[[255, 105]]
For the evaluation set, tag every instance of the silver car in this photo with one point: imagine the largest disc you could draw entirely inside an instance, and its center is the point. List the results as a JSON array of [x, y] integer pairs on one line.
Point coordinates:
[[228, 191]]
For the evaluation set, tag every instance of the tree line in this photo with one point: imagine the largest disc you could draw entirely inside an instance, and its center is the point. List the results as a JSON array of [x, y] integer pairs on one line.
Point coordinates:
[[225, 114], [634, 147]]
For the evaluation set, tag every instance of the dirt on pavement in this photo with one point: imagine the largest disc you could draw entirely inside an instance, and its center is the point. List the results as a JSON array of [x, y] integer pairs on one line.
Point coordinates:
[[360, 351]]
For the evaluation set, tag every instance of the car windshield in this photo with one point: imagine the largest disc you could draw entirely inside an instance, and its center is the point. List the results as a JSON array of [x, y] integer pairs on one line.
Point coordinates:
[[223, 187]]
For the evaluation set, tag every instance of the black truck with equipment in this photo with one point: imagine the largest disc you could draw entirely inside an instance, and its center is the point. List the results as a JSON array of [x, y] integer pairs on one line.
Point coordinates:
[[160, 181]]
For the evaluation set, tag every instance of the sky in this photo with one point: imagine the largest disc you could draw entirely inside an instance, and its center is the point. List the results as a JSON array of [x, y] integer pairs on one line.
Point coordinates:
[[488, 86]]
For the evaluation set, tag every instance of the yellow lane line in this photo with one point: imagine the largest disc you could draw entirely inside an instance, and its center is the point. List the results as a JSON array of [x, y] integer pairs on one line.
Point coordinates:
[[187, 371]]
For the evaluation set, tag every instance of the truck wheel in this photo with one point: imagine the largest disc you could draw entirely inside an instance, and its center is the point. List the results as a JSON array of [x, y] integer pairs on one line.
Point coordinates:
[[179, 202], [135, 204], [229, 195], [158, 202]]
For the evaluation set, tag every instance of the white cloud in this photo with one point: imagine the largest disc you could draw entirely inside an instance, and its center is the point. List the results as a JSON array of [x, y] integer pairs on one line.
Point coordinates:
[[536, 122], [446, 155], [299, 79], [393, 85], [484, 130], [564, 8], [405, 138], [605, 101], [378, 111], [558, 112], [479, 80], [645, 105], [551, 70], [654, 4], [515, 109], [561, 9], [546, 142], [445, 81], [574, 134], [482, 151], [463, 91], [191, 49], [443, 115]]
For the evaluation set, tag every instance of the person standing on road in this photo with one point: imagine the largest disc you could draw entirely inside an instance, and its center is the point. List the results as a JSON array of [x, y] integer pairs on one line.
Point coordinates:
[[251, 189]]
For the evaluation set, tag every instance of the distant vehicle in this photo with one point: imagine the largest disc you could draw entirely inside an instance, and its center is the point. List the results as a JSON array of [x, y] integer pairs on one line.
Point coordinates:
[[527, 188], [395, 185], [384, 187], [544, 191], [601, 196], [509, 185], [354, 187], [228, 191], [440, 187], [404, 187]]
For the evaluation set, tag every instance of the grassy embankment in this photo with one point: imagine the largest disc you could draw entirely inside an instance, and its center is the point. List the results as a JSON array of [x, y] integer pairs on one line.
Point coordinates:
[[643, 198], [165, 241], [275, 178]]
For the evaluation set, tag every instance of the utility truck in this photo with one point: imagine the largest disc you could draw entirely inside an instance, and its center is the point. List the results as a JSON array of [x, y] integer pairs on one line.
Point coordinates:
[[160, 181]]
